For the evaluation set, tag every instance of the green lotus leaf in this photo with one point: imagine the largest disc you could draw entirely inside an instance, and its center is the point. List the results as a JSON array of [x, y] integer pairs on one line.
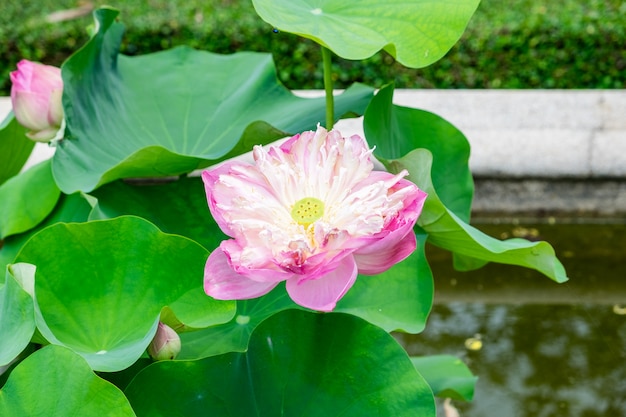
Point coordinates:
[[186, 212], [100, 286], [72, 208], [235, 335], [17, 316], [446, 230], [26, 199], [122, 378], [55, 382], [332, 365], [170, 112], [15, 147], [447, 376], [417, 33], [397, 299], [397, 130]]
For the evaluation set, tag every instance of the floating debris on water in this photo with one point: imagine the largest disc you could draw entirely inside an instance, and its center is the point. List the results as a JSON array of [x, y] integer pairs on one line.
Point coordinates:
[[474, 343]]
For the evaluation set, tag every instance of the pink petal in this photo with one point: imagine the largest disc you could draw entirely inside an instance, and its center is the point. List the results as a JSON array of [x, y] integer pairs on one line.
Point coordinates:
[[256, 264], [210, 179], [45, 78], [286, 145], [222, 283], [396, 241], [380, 256], [239, 192], [55, 109], [415, 202], [323, 292], [30, 109]]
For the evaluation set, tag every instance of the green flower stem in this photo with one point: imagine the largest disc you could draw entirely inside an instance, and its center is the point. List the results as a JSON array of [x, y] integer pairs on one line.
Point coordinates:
[[328, 87]]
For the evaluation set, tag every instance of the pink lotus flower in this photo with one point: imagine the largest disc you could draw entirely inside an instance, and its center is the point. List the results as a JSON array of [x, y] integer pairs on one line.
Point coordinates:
[[310, 212], [36, 99]]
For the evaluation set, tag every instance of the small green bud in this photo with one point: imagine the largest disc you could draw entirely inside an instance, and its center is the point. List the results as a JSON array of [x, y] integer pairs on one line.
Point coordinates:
[[165, 345]]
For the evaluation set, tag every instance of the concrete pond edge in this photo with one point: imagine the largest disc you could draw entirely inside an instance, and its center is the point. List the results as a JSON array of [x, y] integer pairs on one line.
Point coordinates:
[[534, 152]]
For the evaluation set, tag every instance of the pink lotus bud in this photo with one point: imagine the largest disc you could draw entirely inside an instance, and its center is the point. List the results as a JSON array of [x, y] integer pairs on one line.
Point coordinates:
[[36, 99], [165, 345]]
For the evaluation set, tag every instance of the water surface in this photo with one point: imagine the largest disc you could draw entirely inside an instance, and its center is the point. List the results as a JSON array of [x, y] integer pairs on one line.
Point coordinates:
[[539, 348]]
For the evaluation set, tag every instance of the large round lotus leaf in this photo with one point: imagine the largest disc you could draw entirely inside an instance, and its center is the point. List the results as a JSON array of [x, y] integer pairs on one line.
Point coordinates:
[[26, 199], [15, 147], [417, 33], [69, 208], [170, 112], [55, 382], [17, 316], [101, 285], [186, 213], [298, 364], [235, 335]]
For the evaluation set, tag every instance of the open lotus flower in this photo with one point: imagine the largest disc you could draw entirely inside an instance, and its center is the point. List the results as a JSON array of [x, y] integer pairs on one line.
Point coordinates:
[[36, 99], [310, 212]]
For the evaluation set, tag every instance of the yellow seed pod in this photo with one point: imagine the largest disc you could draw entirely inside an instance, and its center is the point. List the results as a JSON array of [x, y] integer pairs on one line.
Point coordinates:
[[307, 210]]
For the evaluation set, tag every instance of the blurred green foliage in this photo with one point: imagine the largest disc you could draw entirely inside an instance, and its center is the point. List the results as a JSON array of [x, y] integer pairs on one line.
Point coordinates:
[[523, 44]]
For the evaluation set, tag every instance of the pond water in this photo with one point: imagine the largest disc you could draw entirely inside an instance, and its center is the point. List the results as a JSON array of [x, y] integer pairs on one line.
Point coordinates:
[[539, 348]]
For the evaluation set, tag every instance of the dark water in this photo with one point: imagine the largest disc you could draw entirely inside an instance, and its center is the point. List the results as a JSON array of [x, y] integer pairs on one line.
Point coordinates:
[[539, 348]]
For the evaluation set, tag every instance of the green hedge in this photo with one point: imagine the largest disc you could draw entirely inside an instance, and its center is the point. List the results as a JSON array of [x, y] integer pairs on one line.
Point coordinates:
[[524, 44]]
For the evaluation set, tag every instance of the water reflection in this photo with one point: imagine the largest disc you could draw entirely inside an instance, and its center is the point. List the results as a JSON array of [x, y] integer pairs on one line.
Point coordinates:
[[539, 349], [535, 360]]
